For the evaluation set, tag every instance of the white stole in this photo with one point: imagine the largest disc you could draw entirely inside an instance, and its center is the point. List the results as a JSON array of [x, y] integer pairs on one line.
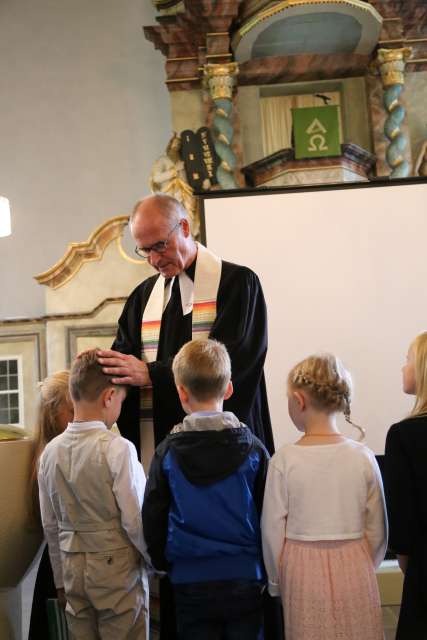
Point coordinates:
[[200, 299]]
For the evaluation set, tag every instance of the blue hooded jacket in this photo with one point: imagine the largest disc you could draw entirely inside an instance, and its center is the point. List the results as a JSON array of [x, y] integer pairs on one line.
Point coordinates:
[[203, 501]]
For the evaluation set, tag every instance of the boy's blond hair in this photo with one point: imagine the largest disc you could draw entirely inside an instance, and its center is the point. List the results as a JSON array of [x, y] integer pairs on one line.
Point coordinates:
[[419, 345], [203, 367], [87, 380]]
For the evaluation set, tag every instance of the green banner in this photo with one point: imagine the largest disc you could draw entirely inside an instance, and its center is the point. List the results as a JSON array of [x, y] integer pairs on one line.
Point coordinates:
[[316, 132]]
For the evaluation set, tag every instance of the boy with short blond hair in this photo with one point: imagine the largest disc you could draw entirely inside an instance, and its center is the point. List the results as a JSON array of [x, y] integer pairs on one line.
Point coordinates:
[[91, 490], [203, 503]]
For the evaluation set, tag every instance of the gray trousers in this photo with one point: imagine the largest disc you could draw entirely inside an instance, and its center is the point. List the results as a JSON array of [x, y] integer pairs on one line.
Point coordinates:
[[107, 595]]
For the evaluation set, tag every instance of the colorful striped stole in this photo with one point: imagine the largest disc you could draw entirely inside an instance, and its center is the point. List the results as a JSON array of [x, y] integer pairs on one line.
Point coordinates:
[[202, 303]]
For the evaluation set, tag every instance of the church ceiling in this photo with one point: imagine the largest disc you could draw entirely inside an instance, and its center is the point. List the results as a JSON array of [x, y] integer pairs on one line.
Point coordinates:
[[284, 41], [299, 27]]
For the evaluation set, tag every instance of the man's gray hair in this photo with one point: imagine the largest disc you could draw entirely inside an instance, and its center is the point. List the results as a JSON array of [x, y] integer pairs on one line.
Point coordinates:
[[167, 206]]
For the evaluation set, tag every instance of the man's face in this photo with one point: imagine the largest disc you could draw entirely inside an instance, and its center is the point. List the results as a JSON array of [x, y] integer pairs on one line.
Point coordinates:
[[149, 228]]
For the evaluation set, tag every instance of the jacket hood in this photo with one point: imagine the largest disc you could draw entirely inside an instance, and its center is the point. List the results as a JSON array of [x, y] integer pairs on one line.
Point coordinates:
[[208, 455]]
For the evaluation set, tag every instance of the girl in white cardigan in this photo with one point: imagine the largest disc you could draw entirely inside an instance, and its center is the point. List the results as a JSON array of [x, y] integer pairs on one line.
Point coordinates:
[[324, 522]]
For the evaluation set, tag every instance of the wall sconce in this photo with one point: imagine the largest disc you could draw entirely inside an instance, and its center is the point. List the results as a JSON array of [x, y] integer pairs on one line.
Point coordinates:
[[5, 226]]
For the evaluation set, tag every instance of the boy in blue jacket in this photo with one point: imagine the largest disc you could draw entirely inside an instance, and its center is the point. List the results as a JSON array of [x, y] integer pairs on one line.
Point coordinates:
[[203, 502]]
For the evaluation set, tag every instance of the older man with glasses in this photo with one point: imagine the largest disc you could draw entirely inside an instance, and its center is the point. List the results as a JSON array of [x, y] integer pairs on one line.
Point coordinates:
[[195, 295]]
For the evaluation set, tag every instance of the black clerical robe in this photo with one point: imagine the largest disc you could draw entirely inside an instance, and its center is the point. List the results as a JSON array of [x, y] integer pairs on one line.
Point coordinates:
[[405, 481], [241, 324]]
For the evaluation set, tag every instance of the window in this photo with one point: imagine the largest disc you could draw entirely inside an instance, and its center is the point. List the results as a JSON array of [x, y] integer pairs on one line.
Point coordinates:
[[11, 393]]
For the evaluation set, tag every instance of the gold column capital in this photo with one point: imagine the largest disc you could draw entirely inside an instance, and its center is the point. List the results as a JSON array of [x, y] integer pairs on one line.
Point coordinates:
[[221, 78], [391, 64]]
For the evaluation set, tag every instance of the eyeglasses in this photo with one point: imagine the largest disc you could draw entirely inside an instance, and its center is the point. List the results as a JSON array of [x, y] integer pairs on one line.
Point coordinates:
[[158, 247]]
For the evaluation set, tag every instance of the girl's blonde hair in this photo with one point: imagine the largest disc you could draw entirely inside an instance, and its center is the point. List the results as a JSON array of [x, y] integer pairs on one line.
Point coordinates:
[[419, 346], [54, 394], [327, 382]]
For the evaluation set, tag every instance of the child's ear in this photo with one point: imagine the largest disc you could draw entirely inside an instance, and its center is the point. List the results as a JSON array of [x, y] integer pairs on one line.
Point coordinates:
[[229, 391], [300, 398], [107, 396], [182, 393]]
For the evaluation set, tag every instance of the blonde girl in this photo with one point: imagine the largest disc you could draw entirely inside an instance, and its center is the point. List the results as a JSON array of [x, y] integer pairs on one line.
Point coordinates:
[[323, 521], [54, 412], [406, 485]]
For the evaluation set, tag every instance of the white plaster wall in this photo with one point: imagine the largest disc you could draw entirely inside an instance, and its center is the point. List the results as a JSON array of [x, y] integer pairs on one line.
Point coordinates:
[[187, 110], [84, 112], [111, 277]]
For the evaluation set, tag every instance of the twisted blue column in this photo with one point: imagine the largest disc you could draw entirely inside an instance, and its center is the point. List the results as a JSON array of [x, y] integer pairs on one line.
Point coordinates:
[[391, 64], [223, 130], [220, 78], [398, 141]]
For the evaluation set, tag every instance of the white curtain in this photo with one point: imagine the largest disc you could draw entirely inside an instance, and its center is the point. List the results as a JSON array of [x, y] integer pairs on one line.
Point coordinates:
[[276, 117]]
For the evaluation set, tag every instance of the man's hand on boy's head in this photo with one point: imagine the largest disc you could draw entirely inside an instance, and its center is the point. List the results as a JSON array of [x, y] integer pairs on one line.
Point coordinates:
[[123, 368]]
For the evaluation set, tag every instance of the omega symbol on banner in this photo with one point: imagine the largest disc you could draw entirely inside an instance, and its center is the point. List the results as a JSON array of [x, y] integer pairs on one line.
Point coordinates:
[[317, 139], [316, 132]]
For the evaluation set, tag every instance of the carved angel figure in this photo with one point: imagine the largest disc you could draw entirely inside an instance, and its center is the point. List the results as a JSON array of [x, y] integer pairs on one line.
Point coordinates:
[[168, 176]]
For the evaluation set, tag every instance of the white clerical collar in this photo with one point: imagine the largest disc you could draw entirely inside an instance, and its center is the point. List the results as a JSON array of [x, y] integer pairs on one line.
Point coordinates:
[[186, 288], [202, 291]]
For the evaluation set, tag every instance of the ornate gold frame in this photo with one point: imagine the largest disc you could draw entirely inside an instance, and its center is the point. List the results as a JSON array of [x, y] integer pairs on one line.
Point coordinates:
[[80, 252]]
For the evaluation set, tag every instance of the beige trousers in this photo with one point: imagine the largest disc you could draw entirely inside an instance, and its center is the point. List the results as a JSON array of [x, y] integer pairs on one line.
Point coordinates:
[[107, 595]]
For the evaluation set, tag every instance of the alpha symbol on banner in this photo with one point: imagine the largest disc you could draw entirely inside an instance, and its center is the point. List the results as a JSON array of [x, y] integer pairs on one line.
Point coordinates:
[[317, 141], [316, 132]]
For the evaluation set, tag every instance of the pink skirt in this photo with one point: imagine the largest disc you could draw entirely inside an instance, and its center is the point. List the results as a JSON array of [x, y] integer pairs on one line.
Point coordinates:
[[329, 591]]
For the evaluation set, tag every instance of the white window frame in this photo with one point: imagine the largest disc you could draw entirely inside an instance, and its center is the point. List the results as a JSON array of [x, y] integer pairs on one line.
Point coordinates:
[[20, 389]]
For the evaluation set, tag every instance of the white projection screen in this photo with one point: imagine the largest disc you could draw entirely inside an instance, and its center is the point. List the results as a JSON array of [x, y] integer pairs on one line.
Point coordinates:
[[343, 270]]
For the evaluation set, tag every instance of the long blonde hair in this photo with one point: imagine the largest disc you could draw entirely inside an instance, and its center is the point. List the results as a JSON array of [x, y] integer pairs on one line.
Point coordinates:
[[54, 394], [327, 382], [419, 346]]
